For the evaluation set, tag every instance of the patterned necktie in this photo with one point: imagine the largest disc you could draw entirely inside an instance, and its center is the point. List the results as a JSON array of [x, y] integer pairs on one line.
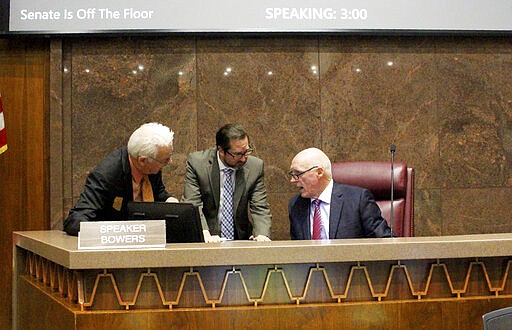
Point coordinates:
[[226, 222], [317, 221], [147, 191]]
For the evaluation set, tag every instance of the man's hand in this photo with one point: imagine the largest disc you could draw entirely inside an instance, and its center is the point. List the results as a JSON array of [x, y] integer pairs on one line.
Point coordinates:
[[260, 238], [210, 238]]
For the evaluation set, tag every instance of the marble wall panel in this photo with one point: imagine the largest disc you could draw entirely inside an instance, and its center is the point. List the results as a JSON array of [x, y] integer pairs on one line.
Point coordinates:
[[170, 97], [476, 210], [279, 207], [427, 212], [505, 129], [475, 114], [56, 138], [118, 84], [378, 91], [271, 86]]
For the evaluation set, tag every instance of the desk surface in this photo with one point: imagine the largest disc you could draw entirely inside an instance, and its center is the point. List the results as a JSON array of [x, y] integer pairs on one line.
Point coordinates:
[[62, 249]]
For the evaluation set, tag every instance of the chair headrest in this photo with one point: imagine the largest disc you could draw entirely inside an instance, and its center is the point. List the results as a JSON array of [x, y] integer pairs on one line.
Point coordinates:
[[374, 176]]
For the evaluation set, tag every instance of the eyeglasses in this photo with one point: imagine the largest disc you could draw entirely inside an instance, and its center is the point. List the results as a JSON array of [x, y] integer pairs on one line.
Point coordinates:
[[241, 154], [164, 163], [296, 176]]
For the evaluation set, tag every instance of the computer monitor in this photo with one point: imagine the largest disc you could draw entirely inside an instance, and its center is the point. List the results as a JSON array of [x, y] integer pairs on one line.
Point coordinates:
[[182, 220]]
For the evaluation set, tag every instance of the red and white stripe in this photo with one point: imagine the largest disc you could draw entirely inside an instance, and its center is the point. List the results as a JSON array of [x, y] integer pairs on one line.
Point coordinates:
[[3, 136]]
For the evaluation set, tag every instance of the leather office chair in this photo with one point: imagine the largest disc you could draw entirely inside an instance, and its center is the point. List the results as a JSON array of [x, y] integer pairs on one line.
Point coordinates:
[[500, 319], [376, 177]]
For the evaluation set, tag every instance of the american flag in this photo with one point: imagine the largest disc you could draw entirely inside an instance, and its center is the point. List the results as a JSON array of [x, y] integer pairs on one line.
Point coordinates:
[[3, 136]]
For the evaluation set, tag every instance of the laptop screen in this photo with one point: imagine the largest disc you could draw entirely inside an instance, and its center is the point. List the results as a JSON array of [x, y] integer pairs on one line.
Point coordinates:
[[182, 220]]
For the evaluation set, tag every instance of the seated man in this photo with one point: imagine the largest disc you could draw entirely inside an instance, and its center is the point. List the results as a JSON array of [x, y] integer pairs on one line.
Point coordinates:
[[324, 209], [226, 182], [128, 174]]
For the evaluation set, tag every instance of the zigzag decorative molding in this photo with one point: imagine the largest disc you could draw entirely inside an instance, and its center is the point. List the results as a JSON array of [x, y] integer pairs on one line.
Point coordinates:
[[70, 284]]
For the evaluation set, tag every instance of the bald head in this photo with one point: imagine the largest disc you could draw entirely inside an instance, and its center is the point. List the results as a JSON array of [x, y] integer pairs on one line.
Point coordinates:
[[313, 157], [310, 172]]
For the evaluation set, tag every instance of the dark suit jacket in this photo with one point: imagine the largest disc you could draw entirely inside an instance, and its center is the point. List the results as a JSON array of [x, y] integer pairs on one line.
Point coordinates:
[[202, 188], [107, 187], [353, 214]]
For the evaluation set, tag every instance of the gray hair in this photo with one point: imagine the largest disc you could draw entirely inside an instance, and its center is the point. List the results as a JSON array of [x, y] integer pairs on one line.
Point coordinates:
[[146, 139]]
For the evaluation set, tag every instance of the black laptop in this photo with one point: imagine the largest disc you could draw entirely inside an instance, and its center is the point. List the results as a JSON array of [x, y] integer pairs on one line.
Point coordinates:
[[182, 220]]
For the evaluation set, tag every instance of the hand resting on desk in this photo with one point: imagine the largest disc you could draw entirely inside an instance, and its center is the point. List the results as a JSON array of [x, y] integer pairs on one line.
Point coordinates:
[[260, 238], [208, 238]]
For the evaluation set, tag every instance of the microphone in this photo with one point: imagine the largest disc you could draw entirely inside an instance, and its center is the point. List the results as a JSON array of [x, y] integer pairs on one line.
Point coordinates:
[[392, 149]]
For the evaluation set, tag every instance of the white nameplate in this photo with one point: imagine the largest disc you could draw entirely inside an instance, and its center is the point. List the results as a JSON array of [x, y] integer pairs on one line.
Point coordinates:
[[138, 234]]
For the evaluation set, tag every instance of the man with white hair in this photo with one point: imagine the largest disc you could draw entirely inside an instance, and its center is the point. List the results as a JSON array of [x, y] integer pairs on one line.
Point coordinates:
[[132, 173], [324, 209]]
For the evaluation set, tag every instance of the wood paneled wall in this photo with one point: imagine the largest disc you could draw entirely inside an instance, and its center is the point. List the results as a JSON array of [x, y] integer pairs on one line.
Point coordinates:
[[24, 70]]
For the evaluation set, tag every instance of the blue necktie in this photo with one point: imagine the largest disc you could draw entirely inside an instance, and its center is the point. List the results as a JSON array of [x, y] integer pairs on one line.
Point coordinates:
[[227, 228]]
